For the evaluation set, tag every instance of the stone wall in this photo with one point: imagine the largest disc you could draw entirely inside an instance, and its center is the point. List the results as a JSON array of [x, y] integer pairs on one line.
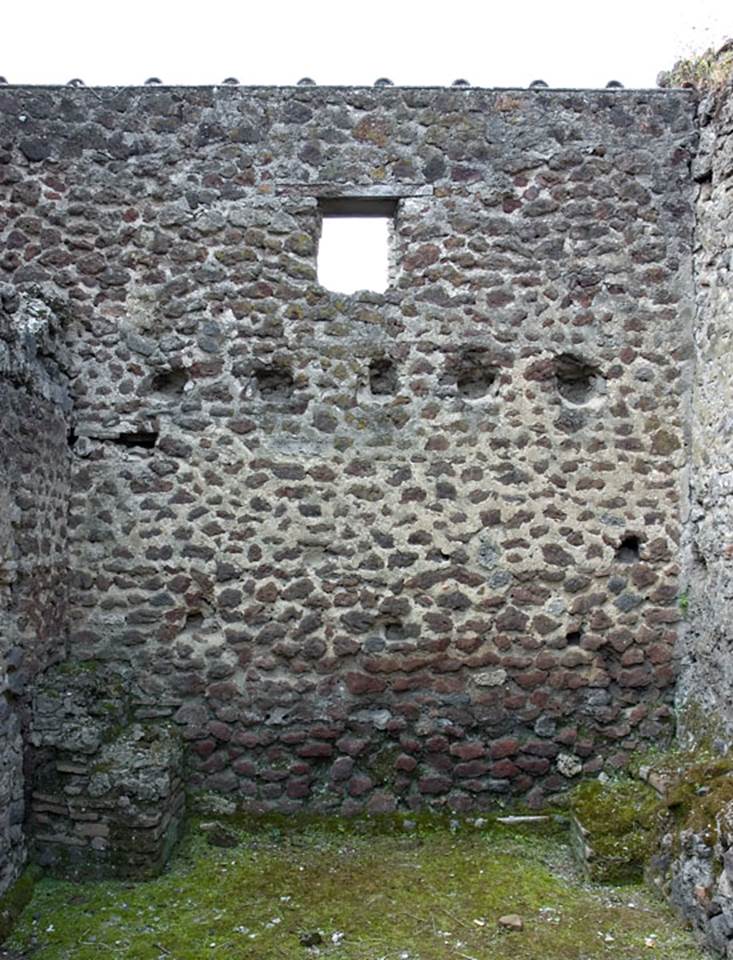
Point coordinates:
[[108, 795], [706, 680], [419, 546], [34, 497]]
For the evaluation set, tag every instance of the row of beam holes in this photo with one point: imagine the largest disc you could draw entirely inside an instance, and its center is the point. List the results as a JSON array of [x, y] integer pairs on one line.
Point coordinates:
[[469, 374]]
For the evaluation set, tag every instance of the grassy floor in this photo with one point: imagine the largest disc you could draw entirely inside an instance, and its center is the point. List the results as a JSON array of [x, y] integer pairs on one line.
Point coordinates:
[[368, 893]]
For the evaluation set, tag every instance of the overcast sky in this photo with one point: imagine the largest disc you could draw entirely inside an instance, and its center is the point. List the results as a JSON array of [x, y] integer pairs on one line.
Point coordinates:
[[489, 43]]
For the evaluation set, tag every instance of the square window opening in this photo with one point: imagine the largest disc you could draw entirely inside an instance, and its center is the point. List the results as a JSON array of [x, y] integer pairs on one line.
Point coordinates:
[[355, 251]]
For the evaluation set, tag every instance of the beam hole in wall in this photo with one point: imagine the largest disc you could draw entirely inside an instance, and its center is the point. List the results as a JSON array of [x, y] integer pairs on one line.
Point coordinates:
[[472, 374], [170, 382], [194, 621], [394, 632], [573, 637], [146, 439], [439, 556], [354, 247], [273, 381], [628, 550], [398, 636], [575, 378], [383, 379]]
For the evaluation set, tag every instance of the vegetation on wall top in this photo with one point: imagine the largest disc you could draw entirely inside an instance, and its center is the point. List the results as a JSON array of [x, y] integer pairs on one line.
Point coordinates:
[[708, 72]]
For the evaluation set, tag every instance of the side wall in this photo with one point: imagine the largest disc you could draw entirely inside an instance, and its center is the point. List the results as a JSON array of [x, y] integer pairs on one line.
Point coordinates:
[[706, 681], [34, 495], [419, 546]]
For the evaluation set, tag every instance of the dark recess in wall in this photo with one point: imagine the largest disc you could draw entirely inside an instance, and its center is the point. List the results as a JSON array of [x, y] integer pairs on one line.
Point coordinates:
[[575, 378], [194, 621], [170, 381], [473, 373], [628, 550], [383, 379], [146, 439], [274, 382]]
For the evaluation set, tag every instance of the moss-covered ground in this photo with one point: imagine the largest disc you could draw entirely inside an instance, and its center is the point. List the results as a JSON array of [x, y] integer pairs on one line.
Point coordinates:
[[361, 891]]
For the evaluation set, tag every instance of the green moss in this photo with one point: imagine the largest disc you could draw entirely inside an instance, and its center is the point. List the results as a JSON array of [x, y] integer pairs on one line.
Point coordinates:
[[382, 764], [619, 823], [698, 798], [74, 667], [14, 900], [694, 788], [699, 725], [371, 887]]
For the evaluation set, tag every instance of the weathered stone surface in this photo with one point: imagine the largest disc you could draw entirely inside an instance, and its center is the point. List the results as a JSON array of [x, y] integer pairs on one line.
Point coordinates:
[[34, 495], [394, 547], [692, 859], [290, 535], [110, 802], [706, 674]]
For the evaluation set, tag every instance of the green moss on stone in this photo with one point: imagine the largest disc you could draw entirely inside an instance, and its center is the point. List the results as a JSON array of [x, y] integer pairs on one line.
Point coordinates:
[[382, 764], [75, 667], [618, 824], [698, 726], [14, 900], [621, 822], [701, 795]]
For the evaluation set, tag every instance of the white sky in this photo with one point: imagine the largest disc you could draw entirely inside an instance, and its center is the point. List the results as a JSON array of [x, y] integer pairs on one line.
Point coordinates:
[[580, 43], [353, 254]]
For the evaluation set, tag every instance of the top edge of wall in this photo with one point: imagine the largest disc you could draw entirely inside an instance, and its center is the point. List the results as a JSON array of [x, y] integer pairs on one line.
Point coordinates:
[[315, 87]]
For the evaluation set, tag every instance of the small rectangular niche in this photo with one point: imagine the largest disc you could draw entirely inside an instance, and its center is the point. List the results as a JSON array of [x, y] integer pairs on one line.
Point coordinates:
[[146, 439], [354, 252]]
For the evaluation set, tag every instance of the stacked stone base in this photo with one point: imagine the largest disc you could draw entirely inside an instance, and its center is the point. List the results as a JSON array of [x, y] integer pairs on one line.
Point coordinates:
[[109, 796], [105, 818]]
